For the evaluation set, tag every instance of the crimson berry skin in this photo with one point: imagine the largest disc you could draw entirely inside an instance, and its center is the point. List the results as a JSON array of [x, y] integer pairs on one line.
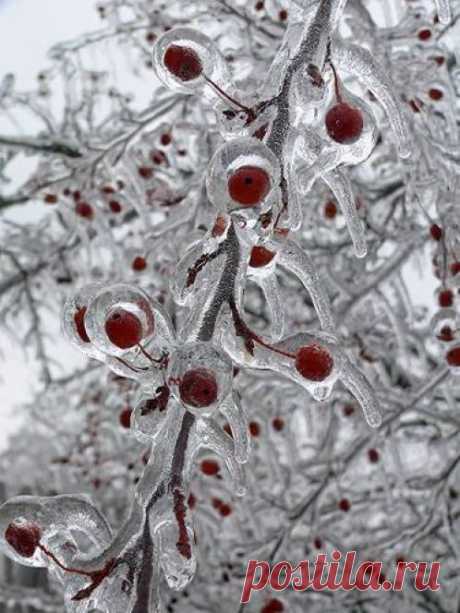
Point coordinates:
[[79, 320], [260, 257], [314, 362], [198, 388], [436, 232], [330, 210], [446, 298], [139, 264], [125, 418], [254, 428], [123, 329], [24, 539], [446, 334], [249, 185], [273, 606], [373, 455], [209, 468], [278, 424], [344, 505], [344, 123], [85, 210], [183, 62], [453, 357]]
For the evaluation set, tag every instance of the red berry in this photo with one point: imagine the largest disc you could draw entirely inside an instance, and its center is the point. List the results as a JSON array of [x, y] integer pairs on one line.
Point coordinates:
[[50, 198], [344, 505], [254, 428], [373, 455], [209, 468], [283, 15], [198, 388], [446, 298], [330, 209], [249, 185], [273, 606], [259, 5], [348, 410], [436, 232], [125, 417], [225, 510], [435, 94], [191, 500], [84, 210], [453, 357], [158, 157], [146, 172], [77, 195], [79, 320], [424, 34], [260, 257], [24, 539], [454, 268], [183, 62], [344, 123], [123, 328], [165, 139], [445, 334], [115, 206], [314, 362], [139, 264], [150, 37], [278, 424]]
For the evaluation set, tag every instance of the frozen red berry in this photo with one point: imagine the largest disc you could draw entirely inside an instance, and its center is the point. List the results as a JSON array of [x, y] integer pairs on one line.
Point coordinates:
[[123, 328], [85, 210], [24, 539], [115, 206], [79, 320], [314, 362], [344, 505], [273, 606], [453, 357], [209, 468], [330, 209], [183, 62], [165, 139], [436, 232], [198, 388], [146, 172], [373, 455], [125, 417], [446, 334], [424, 34], [260, 257], [344, 123], [435, 94], [254, 428], [446, 298], [139, 264], [278, 424], [249, 185]]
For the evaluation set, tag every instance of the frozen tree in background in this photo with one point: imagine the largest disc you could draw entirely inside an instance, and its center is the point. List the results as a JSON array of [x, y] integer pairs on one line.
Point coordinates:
[[232, 197]]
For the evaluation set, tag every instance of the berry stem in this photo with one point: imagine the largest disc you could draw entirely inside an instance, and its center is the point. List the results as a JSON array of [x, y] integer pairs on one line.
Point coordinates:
[[250, 113]]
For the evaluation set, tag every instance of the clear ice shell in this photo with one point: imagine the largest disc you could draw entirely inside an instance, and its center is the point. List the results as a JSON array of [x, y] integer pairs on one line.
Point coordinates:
[[200, 356], [214, 66]]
